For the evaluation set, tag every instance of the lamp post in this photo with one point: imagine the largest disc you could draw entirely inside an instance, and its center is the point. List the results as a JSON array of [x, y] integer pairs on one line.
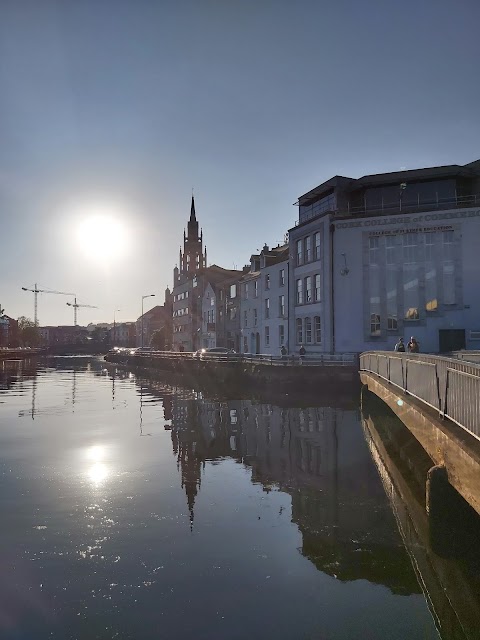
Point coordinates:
[[149, 295], [114, 326]]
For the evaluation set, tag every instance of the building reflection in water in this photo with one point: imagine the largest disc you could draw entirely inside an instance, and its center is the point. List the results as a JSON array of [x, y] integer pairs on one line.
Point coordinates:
[[446, 557], [317, 455]]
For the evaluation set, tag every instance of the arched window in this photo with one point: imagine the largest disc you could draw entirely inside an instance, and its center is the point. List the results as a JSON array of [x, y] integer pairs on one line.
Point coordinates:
[[299, 330], [317, 327], [308, 330]]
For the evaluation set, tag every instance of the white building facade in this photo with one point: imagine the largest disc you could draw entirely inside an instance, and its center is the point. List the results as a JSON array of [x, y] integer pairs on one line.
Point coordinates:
[[209, 315], [385, 256], [264, 302]]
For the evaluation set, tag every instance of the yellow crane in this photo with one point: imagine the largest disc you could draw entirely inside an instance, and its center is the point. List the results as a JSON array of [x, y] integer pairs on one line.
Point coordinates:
[[76, 306], [35, 292]]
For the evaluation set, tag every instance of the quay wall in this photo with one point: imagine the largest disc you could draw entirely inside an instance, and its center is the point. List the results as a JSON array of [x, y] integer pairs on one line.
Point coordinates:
[[239, 371]]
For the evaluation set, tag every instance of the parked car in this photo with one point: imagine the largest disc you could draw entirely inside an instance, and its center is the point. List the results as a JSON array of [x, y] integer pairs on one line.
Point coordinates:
[[214, 351]]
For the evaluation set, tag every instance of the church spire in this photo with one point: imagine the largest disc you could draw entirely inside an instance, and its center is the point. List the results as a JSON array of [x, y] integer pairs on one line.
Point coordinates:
[[193, 217]]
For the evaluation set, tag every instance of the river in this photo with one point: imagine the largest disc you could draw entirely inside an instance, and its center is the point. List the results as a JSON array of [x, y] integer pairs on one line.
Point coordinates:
[[141, 509]]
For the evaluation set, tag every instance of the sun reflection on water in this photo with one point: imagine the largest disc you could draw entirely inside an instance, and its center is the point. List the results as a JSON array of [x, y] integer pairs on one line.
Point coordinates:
[[98, 472]]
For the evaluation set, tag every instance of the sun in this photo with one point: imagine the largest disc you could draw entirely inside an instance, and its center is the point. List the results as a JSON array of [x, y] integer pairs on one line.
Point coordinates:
[[102, 236]]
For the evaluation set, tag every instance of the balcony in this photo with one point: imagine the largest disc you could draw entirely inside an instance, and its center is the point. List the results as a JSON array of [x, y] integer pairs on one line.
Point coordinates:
[[439, 204], [210, 326]]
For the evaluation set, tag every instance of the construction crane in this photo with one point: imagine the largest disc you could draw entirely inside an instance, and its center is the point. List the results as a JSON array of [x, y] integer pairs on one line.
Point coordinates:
[[75, 306], [35, 292]]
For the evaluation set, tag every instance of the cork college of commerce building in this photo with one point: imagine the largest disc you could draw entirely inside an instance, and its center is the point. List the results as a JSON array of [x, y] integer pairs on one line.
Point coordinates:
[[384, 256]]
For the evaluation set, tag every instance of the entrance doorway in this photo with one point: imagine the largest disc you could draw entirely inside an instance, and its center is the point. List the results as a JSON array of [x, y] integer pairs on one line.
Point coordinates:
[[451, 340]]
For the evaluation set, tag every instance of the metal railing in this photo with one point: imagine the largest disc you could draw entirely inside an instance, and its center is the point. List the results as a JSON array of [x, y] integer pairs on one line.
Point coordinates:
[[468, 356], [449, 385], [400, 207], [309, 360]]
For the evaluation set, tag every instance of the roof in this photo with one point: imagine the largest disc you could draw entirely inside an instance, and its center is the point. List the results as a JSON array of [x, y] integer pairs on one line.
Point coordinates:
[[471, 169], [215, 274], [412, 174]]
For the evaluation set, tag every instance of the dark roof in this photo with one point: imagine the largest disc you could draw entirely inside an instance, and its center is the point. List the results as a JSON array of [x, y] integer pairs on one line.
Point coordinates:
[[277, 254], [325, 187], [471, 169], [395, 177]]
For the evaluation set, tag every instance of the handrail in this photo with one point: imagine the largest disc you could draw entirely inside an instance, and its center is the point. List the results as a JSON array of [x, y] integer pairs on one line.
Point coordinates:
[[459, 202], [327, 359], [449, 385]]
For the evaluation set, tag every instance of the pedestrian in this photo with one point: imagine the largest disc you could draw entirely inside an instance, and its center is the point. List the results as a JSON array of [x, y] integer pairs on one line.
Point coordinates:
[[283, 351], [400, 346], [413, 346], [302, 353]]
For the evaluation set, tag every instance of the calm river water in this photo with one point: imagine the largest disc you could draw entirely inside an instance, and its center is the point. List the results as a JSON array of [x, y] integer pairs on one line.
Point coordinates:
[[135, 509]]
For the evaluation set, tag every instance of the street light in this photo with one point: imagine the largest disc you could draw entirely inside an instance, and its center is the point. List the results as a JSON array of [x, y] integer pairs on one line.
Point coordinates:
[[149, 295], [114, 325]]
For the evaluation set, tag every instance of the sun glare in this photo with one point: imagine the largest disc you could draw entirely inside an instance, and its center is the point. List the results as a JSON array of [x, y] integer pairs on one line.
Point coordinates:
[[102, 236]]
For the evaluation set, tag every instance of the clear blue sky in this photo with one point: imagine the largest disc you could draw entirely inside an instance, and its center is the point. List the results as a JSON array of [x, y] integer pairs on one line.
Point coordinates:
[[131, 103]]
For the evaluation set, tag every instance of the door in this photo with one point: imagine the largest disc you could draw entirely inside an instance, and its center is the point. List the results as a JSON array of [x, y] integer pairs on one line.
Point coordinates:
[[451, 340], [257, 343]]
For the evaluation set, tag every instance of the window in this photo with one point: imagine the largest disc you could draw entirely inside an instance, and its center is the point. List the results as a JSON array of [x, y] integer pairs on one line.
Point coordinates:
[[391, 282], [374, 248], [429, 247], [308, 248], [281, 306], [308, 330], [255, 317], [448, 268], [431, 294], [390, 249], [281, 334], [448, 283], [318, 290], [267, 307], [245, 318], [374, 324], [299, 252], [317, 325], [233, 291], [410, 292], [409, 248], [448, 245], [267, 336], [299, 291], [299, 330], [233, 313], [267, 281], [212, 301], [255, 289], [246, 291], [316, 242], [282, 277], [374, 284], [308, 289]]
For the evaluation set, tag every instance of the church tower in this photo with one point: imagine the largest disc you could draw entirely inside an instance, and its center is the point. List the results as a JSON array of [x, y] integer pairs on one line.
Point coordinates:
[[193, 258]]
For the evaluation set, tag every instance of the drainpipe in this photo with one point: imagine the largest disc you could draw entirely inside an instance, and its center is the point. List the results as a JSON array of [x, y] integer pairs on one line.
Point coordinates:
[[332, 292]]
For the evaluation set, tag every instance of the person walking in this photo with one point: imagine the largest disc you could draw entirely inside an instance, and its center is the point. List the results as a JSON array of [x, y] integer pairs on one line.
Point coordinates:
[[283, 352], [302, 353], [413, 346], [400, 346]]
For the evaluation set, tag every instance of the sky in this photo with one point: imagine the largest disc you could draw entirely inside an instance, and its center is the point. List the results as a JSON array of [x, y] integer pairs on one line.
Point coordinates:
[[112, 111]]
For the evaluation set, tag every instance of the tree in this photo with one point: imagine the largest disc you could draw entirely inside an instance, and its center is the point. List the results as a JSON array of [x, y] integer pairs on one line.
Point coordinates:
[[157, 341], [28, 332]]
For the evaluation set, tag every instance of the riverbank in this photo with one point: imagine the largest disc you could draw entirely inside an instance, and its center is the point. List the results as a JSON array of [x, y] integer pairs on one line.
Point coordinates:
[[19, 353], [252, 372]]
